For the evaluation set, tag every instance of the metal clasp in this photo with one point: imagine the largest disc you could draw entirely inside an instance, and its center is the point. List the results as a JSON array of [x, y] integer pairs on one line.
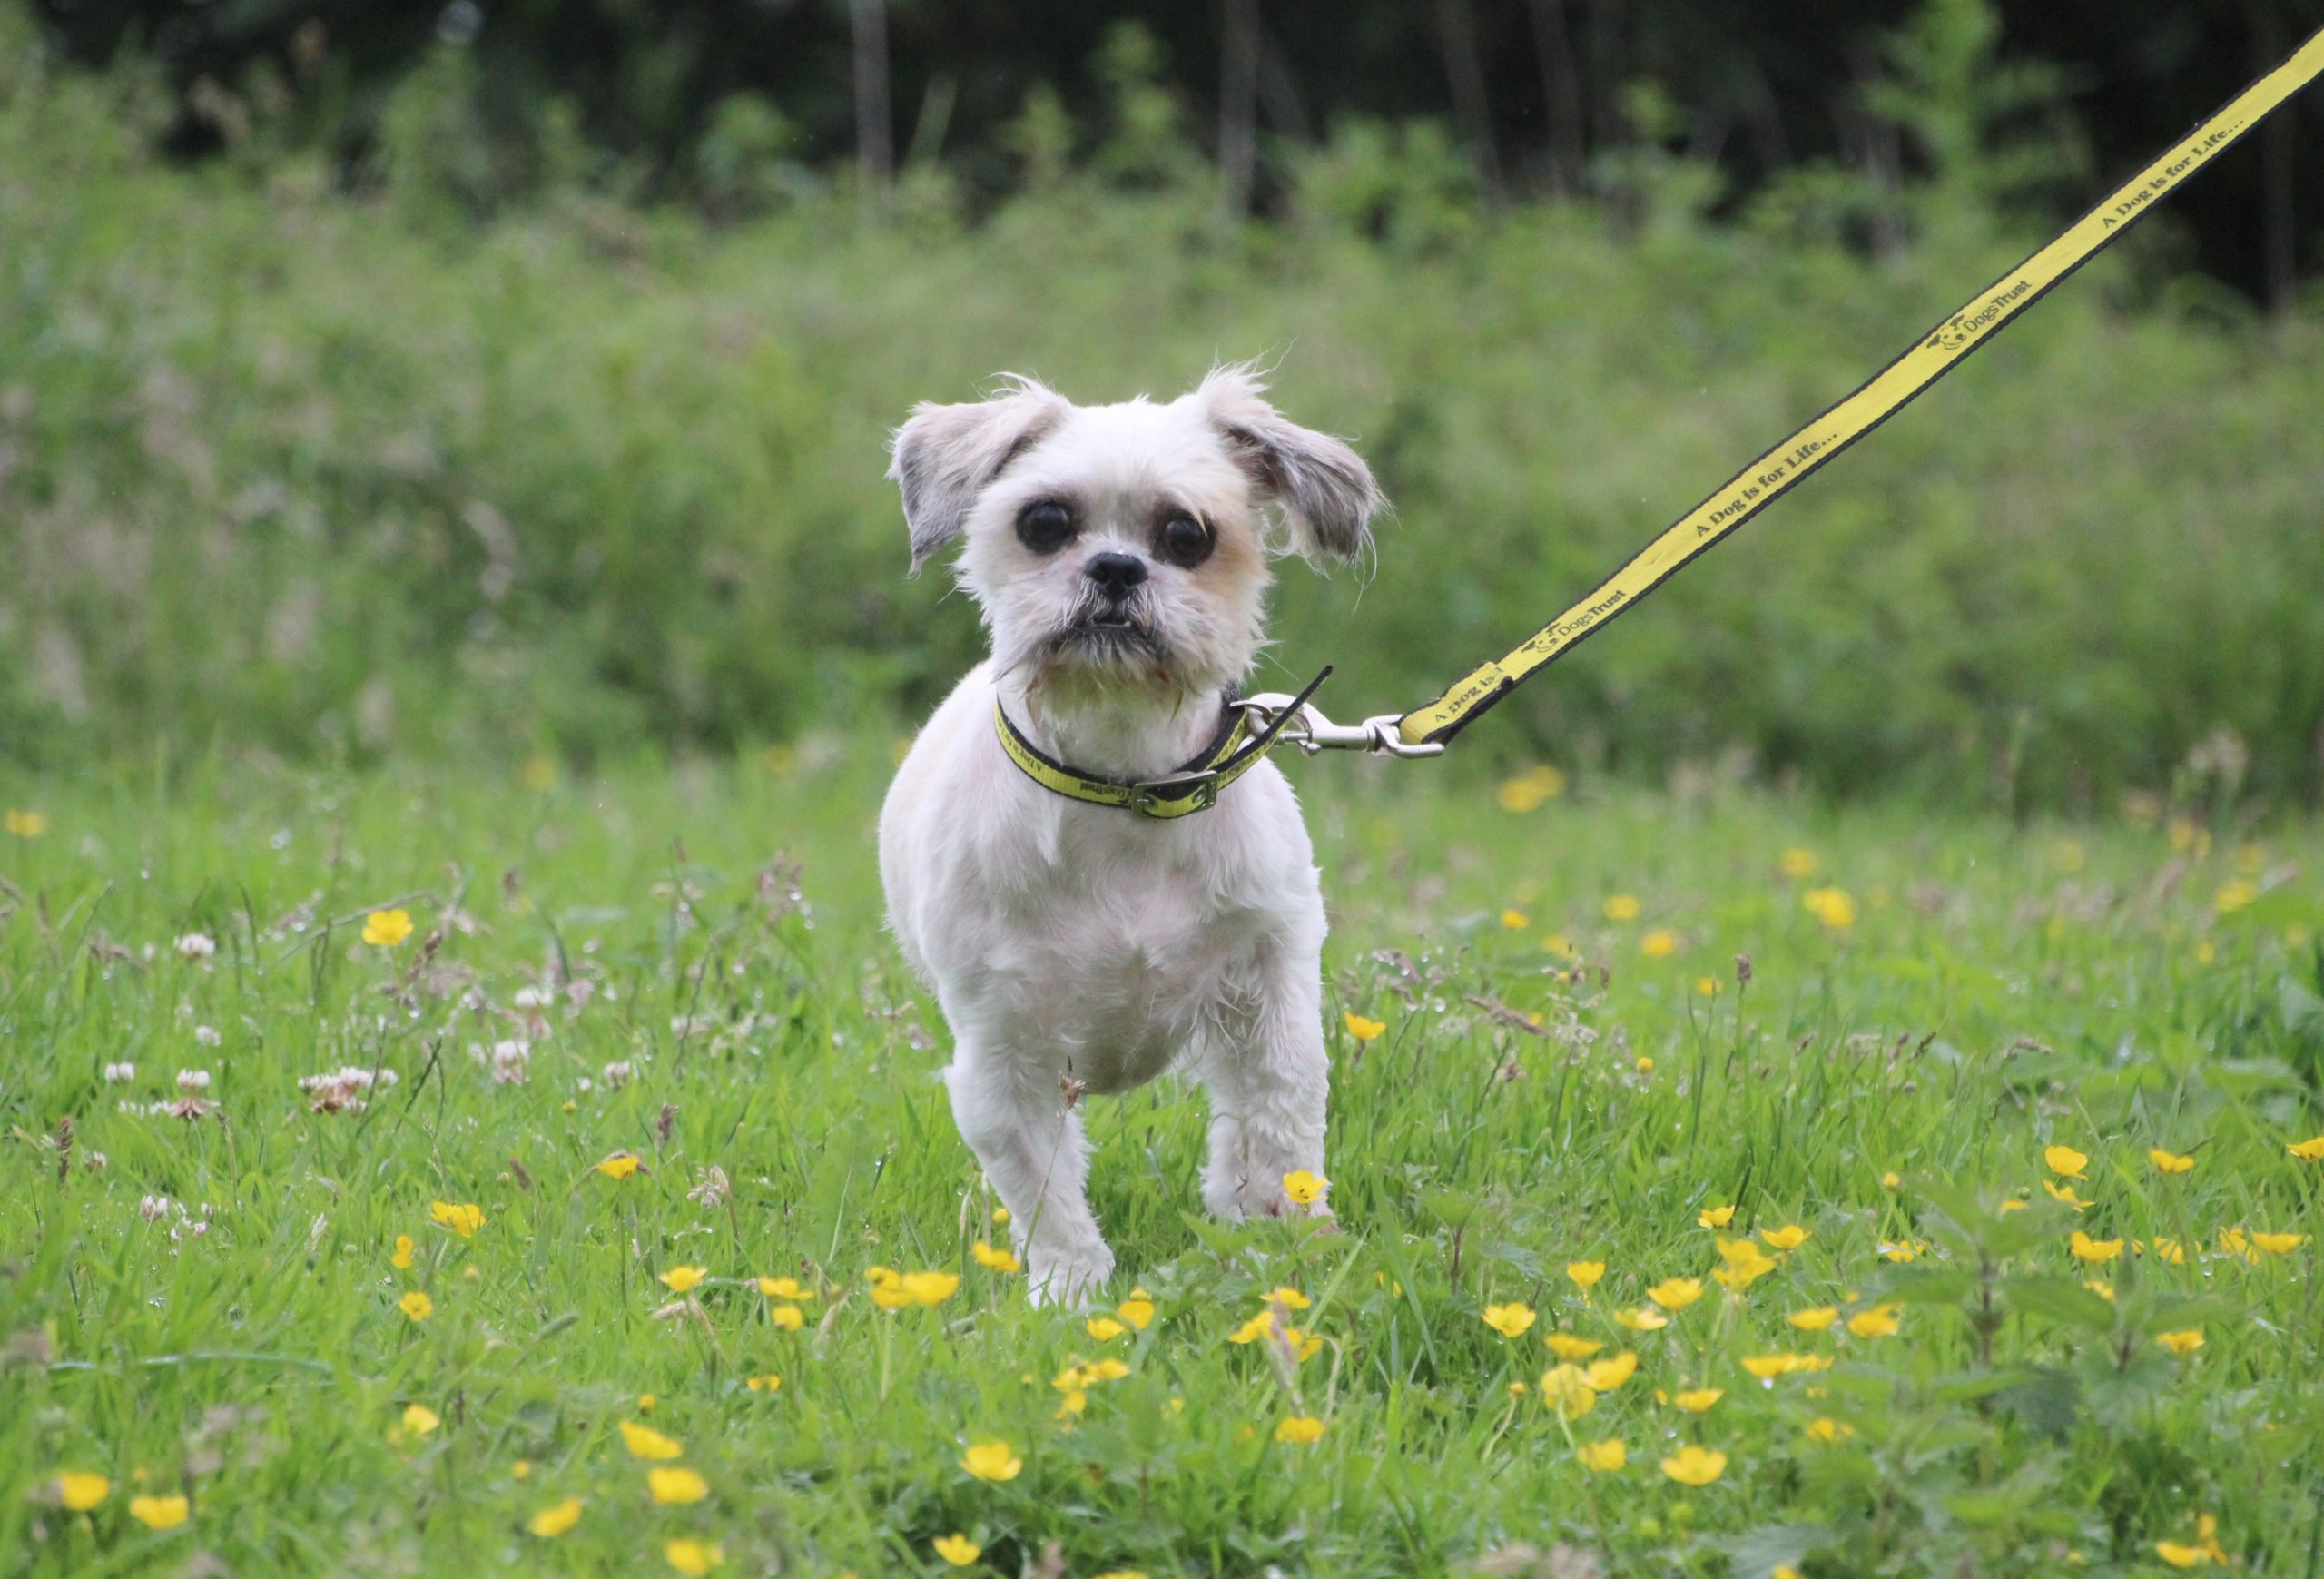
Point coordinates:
[[1149, 795], [1312, 731]]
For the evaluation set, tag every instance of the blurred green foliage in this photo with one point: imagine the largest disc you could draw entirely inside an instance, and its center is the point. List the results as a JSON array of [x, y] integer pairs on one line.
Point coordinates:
[[288, 470]]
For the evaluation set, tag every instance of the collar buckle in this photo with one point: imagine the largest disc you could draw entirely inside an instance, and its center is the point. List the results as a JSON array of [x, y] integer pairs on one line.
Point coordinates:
[[1176, 795]]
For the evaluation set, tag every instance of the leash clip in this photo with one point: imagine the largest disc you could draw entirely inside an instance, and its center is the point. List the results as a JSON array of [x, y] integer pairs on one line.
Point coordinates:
[[1305, 725]]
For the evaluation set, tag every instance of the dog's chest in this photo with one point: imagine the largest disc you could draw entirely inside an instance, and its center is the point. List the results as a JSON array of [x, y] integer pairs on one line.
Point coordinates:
[[1110, 958]]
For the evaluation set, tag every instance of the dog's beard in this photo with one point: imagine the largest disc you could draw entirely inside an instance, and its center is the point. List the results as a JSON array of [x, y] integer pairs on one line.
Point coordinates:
[[1103, 635]]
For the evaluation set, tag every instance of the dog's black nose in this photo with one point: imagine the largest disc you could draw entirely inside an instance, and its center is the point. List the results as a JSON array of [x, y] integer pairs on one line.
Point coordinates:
[[1115, 574]]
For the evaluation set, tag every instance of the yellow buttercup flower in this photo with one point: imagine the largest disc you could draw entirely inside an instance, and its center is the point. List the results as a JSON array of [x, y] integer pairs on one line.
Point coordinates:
[[1303, 1188], [1645, 1318], [784, 1288], [557, 1518], [929, 1287], [1576, 1348], [2181, 1556], [2097, 1252], [1527, 791], [787, 1317], [1814, 1318], [1827, 1430], [1363, 1029], [1584, 1274], [1290, 1298], [678, 1484], [1138, 1310], [1768, 1367], [620, 1165], [2066, 1162], [1299, 1430], [160, 1512], [1878, 1321], [1566, 1389], [1790, 1237], [1892, 1179], [2104, 1290], [417, 1304], [681, 1278], [1105, 1329], [2235, 895], [644, 1442], [1659, 944], [1834, 907], [2063, 1192], [991, 1461], [1692, 1465], [1605, 1374], [2186, 1342], [1697, 1400], [1515, 920], [81, 1490], [1741, 1271], [768, 1383], [2308, 1150], [692, 1557], [957, 1549], [384, 929], [463, 1218], [1508, 1320], [1716, 1216], [2168, 1161], [994, 1260], [418, 1420], [1796, 864], [24, 825], [1623, 907], [2279, 1244], [1604, 1458], [1676, 1294], [402, 1260], [1251, 1331]]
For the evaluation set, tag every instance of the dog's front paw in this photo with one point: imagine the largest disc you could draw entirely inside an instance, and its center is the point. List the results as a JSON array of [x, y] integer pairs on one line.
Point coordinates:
[[1066, 1279]]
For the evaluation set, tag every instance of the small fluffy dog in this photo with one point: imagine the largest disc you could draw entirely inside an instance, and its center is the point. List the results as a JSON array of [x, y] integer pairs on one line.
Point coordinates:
[[1119, 554]]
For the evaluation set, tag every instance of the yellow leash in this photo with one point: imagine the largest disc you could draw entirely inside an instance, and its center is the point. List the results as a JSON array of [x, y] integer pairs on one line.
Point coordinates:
[[1423, 731], [1767, 478]]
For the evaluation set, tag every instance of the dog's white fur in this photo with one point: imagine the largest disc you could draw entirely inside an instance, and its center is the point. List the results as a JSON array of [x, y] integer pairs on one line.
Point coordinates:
[[1075, 946]]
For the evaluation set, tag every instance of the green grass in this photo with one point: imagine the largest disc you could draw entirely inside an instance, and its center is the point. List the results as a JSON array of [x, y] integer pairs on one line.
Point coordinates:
[[2001, 989]]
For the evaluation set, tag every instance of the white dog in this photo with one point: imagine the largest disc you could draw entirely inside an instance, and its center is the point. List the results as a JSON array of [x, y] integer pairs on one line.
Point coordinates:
[[1119, 554]]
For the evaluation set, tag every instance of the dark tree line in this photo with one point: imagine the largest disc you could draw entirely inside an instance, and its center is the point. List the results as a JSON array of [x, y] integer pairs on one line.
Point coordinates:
[[1539, 93]]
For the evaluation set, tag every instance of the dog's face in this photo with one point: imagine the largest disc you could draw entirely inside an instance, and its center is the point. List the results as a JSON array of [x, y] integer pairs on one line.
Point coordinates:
[[1126, 546]]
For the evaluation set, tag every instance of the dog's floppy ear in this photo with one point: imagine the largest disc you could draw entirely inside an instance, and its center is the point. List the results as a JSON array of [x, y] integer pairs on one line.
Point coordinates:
[[1322, 488], [947, 454]]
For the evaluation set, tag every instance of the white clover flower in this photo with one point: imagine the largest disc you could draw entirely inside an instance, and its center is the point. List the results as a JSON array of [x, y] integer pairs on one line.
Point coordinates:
[[207, 1036], [509, 1061], [193, 1081], [120, 1074], [197, 945], [619, 1075]]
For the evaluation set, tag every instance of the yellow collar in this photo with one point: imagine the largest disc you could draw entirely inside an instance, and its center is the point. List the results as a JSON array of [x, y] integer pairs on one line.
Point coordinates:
[[1232, 752]]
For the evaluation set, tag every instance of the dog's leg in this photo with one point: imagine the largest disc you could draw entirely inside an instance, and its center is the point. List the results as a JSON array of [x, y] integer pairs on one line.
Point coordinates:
[[1264, 1062], [1017, 1121]]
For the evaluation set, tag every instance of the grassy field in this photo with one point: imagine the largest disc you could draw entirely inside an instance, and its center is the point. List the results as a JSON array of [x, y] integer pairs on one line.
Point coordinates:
[[1940, 1018]]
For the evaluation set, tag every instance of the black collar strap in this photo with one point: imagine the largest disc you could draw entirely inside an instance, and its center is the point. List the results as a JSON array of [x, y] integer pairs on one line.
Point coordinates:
[[1232, 752]]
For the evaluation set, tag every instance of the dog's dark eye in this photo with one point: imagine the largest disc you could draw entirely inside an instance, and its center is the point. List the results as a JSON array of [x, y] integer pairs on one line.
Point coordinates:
[[1046, 527], [1186, 541]]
